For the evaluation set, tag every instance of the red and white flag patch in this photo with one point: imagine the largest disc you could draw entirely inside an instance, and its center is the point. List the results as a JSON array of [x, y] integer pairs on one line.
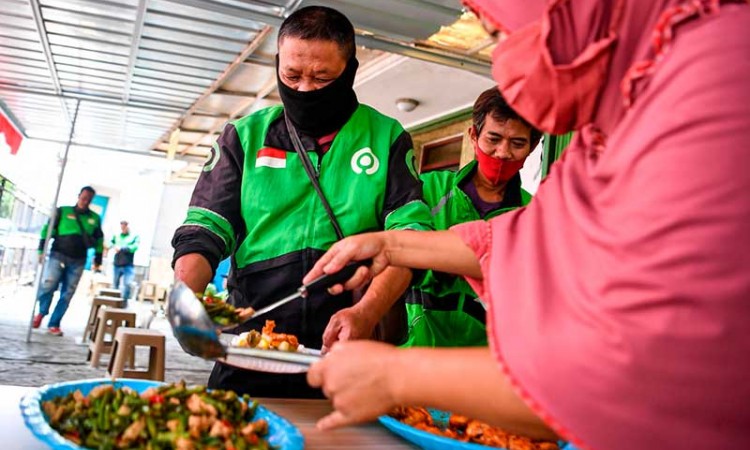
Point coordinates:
[[271, 157]]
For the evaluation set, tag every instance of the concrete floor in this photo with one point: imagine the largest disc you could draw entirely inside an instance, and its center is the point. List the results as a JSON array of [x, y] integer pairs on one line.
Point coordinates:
[[50, 359]]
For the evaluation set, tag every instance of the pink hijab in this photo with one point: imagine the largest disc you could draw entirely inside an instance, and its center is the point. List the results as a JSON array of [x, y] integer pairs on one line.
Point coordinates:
[[619, 299]]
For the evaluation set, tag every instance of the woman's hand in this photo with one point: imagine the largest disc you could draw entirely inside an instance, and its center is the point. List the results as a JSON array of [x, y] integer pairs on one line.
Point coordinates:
[[360, 379], [355, 248]]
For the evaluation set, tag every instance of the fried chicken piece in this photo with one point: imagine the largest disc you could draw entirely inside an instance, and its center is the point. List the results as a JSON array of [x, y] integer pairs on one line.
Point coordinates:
[[520, 443], [184, 444], [132, 432], [150, 392], [458, 422], [199, 424], [268, 327], [545, 445], [428, 428], [258, 427], [221, 428], [484, 434], [414, 416], [197, 406], [173, 424], [100, 390]]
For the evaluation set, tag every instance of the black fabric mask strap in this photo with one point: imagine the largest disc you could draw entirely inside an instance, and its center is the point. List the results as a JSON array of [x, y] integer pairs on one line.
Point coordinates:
[[312, 174]]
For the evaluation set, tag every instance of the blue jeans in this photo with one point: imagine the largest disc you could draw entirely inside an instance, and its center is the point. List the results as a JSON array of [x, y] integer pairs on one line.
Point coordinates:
[[126, 273], [64, 272]]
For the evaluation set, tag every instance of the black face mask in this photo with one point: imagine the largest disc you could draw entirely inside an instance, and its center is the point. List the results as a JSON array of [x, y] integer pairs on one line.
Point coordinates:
[[322, 111]]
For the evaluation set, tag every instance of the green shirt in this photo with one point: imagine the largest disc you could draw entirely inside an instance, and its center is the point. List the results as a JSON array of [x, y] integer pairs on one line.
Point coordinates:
[[442, 309]]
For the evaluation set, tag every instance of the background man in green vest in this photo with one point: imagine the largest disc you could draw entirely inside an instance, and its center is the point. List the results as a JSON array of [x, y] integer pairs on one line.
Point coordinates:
[[76, 229], [124, 246], [255, 200], [442, 309]]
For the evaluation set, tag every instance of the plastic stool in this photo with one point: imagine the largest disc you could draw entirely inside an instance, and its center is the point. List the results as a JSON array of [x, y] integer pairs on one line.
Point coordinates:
[[107, 292], [108, 320], [96, 303], [123, 350]]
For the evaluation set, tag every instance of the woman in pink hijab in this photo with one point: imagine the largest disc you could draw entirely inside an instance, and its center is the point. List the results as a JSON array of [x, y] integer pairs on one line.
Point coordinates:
[[618, 301]]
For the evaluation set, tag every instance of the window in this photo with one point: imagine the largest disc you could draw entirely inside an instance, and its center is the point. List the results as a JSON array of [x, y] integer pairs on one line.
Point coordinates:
[[441, 154]]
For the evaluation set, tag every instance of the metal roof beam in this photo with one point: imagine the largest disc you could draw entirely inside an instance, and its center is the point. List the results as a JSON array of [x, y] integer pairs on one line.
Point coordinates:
[[269, 87], [148, 106], [368, 40], [144, 153], [140, 19], [228, 71], [36, 11], [234, 93]]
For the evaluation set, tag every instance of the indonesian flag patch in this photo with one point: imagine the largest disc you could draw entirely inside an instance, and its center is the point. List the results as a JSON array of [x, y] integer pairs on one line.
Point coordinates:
[[271, 157]]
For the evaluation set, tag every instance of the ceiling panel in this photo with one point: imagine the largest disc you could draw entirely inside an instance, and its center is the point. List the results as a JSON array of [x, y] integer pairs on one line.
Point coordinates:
[[193, 64]]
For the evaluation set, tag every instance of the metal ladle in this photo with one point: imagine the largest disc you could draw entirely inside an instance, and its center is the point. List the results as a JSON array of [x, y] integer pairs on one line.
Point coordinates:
[[197, 333]]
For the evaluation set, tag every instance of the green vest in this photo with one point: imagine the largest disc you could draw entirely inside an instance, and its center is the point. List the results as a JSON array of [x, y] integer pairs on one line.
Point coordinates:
[[442, 308], [128, 244], [67, 233], [279, 206]]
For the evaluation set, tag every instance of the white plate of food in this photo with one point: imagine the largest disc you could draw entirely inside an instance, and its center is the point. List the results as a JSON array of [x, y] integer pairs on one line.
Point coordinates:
[[267, 351]]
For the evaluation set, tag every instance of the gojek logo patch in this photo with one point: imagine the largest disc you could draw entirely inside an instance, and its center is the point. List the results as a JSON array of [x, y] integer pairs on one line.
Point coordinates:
[[213, 158], [411, 164], [364, 160]]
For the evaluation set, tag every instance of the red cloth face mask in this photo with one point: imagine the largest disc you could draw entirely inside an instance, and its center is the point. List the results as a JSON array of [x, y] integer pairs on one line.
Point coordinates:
[[494, 169], [555, 98]]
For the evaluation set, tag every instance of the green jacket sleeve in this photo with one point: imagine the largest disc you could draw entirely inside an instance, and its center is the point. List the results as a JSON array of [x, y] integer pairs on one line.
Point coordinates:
[[404, 207], [133, 245]]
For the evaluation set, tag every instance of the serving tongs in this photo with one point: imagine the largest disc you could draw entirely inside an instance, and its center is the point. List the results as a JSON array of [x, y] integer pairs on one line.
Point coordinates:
[[198, 336]]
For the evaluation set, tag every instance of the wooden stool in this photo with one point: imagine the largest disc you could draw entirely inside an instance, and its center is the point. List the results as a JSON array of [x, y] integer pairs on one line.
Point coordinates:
[[107, 292], [123, 350], [96, 303], [148, 291], [108, 320], [96, 286]]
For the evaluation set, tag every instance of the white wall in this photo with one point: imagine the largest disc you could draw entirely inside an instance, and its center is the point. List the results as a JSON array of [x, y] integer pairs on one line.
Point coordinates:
[[171, 214], [133, 183], [531, 172]]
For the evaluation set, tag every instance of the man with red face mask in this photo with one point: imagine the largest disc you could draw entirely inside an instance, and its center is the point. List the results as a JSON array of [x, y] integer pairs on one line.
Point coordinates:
[[443, 310]]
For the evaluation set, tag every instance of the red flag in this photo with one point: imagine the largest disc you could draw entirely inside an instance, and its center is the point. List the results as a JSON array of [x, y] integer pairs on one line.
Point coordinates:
[[13, 137], [271, 157]]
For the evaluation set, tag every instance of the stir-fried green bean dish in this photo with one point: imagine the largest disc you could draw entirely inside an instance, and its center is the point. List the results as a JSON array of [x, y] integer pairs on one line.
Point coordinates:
[[221, 312], [165, 417]]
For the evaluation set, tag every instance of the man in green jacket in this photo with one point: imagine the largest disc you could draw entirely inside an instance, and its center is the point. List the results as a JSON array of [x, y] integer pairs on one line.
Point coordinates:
[[76, 229], [255, 201], [442, 309], [124, 246]]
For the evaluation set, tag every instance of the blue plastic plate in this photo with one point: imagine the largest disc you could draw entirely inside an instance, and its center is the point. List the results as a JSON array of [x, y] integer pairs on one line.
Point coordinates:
[[429, 441], [281, 433]]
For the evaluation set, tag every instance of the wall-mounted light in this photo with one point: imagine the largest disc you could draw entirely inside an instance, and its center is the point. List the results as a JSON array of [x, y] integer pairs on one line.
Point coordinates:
[[406, 104]]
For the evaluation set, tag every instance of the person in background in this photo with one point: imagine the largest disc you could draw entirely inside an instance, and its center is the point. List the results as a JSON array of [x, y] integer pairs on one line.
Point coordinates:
[[124, 245], [618, 298], [76, 229], [442, 309], [254, 200]]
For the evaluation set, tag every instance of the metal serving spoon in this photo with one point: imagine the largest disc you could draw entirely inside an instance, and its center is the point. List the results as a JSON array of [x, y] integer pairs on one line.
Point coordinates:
[[197, 333]]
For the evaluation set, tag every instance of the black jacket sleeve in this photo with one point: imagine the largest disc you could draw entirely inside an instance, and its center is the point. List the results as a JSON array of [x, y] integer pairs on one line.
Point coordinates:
[[214, 219]]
